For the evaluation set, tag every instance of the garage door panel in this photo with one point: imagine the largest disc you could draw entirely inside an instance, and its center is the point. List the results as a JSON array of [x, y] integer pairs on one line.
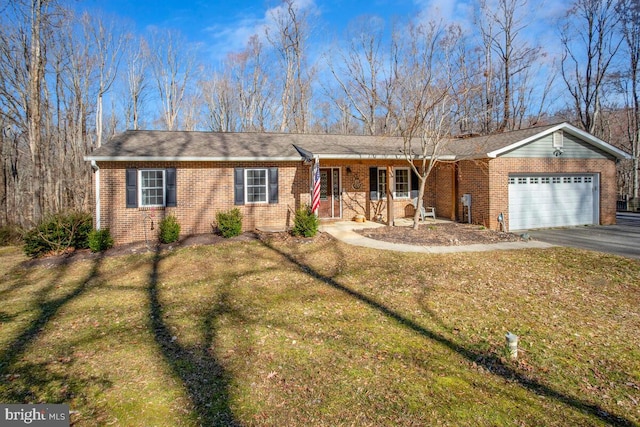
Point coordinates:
[[552, 201]]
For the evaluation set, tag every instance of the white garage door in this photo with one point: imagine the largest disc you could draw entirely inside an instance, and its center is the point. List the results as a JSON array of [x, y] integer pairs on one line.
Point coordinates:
[[552, 201]]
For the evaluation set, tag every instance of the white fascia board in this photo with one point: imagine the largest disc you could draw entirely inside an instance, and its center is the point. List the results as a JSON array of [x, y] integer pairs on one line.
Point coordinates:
[[379, 157], [597, 142], [188, 159], [251, 159], [604, 146]]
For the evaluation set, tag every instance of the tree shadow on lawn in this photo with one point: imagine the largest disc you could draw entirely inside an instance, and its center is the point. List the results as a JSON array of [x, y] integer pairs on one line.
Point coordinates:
[[32, 382], [202, 374], [491, 362]]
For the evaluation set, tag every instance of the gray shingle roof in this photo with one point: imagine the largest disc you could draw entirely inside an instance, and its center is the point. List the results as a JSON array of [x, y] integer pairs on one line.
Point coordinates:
[[210, 146], [481, 145]]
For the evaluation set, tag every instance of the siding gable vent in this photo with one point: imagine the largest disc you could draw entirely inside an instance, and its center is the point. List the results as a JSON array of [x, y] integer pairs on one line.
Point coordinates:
[[558, 139]]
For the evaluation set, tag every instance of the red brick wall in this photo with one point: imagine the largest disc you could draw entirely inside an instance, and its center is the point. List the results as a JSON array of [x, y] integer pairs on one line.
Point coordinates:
[[206, 188], [203, 190], [474, 179], [487, 181], [442, 193]]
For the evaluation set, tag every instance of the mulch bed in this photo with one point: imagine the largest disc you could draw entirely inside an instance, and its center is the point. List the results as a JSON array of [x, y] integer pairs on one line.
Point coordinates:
[[135, 248], [205, 239], [439, 234]]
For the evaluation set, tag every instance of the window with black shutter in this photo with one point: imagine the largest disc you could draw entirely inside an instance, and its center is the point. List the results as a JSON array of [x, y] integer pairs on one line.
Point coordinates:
[[255, 185], [151, 187]]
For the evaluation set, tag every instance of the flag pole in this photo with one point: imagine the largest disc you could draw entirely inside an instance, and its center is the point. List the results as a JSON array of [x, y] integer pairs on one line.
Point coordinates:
[[315, 193]]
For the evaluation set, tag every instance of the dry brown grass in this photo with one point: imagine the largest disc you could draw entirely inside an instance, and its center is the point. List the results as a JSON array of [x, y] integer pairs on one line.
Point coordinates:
[[314, 332]]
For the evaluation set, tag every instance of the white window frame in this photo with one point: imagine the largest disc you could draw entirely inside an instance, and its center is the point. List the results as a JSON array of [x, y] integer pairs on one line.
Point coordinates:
[[395, 184], [266, 186], [142, 188], [382, 183]]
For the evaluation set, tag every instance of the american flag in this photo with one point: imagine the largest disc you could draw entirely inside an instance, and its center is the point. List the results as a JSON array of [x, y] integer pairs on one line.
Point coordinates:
[[315, 199]]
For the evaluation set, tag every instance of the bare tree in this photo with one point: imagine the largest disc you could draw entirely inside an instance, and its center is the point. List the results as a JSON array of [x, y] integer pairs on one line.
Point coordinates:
[[76, 87], [136, 82], [219, 103], [172, 64], [288, 36], [108, 45], [192, 111], [629, 12], [23, 62], [251, 83], [364, 75], [590, 42], [425, 99], [502, 23], [47, 79]]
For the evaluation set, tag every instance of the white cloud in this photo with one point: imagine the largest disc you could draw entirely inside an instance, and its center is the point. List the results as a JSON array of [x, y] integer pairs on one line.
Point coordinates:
[[234, 36], [447, 11]]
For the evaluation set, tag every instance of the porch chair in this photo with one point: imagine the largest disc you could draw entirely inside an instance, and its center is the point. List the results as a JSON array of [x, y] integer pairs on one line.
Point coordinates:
[[424, 211]]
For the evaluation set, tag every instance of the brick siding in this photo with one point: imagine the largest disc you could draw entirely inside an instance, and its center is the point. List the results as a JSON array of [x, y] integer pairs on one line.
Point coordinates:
[[206, 188], [488, 183]]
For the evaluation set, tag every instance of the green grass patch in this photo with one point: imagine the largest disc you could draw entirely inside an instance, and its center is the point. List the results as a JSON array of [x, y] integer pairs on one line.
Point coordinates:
[[320, 333]]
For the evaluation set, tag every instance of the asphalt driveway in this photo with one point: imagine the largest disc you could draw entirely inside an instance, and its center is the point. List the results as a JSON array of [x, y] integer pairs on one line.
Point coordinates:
[[620, 239]]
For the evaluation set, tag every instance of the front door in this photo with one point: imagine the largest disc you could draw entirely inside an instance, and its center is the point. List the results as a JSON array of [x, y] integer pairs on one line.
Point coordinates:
[[329, 193]]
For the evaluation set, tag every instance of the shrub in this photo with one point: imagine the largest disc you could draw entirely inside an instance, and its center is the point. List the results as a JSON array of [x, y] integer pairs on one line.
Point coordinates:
[[58, 233], [305, 223], [100, 240], [83, 224], [229, 223], [169, 229]]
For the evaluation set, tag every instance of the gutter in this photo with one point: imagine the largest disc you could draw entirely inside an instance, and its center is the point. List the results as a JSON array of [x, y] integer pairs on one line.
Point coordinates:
[[96, 170], [252, 159]]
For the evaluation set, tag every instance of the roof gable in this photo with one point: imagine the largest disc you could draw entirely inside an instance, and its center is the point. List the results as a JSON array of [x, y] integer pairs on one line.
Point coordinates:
[[580, 137]]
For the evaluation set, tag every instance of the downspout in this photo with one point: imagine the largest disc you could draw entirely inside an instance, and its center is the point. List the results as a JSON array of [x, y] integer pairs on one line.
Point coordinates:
[[96, 170], [454, 191]]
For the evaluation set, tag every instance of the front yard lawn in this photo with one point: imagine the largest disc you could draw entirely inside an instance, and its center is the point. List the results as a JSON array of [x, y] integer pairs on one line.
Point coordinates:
[[315, 332]]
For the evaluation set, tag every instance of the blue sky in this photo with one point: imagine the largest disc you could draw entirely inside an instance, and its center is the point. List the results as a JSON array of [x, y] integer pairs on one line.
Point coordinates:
[[218, 28], [228, 24], [225, 26]]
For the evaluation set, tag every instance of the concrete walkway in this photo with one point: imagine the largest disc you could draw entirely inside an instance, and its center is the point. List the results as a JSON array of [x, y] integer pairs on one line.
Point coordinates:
[[344, 231]]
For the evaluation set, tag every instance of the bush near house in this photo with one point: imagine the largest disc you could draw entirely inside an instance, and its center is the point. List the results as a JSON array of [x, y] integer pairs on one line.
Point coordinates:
[[58, 233], [230, 223], [169, 229], [305, 223], [100, 240]]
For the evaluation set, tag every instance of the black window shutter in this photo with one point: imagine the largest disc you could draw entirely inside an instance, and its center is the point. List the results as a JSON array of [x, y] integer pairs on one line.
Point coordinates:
[[238, 186], [415, 185], [132, 188], [273, 185], [373, 183], [172, 199]]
